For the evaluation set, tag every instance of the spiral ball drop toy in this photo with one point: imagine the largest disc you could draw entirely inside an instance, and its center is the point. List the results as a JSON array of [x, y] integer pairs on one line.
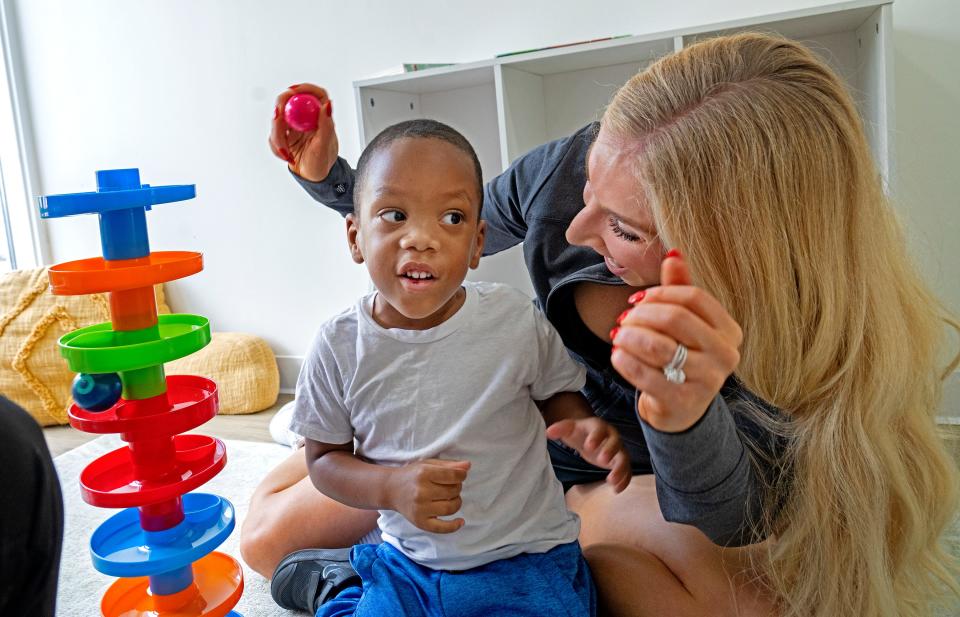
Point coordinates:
[[161, 545]]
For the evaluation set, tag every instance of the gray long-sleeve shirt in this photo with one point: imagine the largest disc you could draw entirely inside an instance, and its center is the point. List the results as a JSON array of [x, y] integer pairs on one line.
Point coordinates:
[[704, 475]]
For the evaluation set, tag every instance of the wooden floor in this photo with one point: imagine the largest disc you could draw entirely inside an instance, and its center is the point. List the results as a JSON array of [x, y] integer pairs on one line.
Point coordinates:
[[249, 427]]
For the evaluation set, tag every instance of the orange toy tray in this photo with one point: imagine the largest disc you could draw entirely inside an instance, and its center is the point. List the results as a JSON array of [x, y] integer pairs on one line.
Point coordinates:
[[97, 275], [217, 587]]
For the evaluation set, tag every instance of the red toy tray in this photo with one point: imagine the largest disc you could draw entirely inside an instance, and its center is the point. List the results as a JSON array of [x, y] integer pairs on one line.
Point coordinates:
[[110, 482], [189, 402]]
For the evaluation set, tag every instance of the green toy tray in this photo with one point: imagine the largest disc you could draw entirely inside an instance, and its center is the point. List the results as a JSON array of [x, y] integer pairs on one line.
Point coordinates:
[[98, 348]]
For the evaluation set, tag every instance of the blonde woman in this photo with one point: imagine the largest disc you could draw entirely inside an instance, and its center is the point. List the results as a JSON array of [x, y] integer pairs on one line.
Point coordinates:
[[747, 155], [782, 348]]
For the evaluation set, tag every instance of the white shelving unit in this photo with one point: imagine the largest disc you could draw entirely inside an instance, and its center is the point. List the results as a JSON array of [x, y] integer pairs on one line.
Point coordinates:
[[507, 106]]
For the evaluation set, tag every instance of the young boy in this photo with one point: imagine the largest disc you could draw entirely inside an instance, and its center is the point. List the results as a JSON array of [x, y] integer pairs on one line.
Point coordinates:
[[424, 401]]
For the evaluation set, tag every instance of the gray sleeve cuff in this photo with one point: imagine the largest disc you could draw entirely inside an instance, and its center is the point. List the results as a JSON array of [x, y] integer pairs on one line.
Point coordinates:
[[704, 477], [700, 458], [335, 191]]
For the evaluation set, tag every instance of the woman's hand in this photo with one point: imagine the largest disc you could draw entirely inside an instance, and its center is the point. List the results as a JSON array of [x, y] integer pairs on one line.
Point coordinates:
[[426, 490], [599, 444], [309, 155], [646, 341]]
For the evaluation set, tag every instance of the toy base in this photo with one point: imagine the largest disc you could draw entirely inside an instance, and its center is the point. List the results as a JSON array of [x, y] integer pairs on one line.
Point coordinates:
[[217, 587]]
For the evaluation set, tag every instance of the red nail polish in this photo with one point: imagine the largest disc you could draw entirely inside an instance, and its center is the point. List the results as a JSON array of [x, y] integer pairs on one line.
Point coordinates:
[[672, 253], [613, 333], [329, 109], [285, 155], [613, 350], [637, 297], [293, 86], [622, 316]]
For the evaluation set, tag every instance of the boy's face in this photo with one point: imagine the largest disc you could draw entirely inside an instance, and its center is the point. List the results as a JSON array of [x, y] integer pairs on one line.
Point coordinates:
[[418, 231]]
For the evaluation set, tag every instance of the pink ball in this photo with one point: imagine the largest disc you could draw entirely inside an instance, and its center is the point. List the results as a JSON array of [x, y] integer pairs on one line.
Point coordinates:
[[302, 112]]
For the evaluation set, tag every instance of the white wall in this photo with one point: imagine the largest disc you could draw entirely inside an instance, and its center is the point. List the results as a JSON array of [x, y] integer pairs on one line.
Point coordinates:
[[184, 90], [927, 147]]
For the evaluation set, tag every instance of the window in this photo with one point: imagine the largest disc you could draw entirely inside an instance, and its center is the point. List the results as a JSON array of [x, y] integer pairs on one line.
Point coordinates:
[[20, 239], [7, 261]]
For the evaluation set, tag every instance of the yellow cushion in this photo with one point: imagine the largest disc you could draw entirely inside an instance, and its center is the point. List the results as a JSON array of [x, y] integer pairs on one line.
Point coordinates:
[[242, 365], [32, 372]]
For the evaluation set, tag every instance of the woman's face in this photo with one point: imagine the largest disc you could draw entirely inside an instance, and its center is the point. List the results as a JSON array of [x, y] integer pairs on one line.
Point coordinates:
[[616, 220]]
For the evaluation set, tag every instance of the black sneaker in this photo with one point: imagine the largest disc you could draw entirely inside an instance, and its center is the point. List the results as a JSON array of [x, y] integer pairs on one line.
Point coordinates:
[[306, 579]]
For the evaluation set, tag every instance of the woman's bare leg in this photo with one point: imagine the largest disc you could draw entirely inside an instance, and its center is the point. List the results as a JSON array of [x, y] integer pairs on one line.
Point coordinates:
[[287, 513], [644, 565]]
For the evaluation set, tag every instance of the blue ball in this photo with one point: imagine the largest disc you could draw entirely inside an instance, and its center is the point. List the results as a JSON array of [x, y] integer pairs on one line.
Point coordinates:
[[96, 391]]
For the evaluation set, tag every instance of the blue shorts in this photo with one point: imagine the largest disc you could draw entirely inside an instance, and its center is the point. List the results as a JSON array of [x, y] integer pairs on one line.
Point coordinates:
[[531, 584]]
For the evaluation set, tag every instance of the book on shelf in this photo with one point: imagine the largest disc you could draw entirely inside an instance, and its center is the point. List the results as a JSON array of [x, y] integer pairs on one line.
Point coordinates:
[[530, 51], [408, 67]]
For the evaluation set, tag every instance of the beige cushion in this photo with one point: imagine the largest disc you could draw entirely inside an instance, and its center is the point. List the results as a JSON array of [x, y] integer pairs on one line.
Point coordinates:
[[32, 371], [243, 367]]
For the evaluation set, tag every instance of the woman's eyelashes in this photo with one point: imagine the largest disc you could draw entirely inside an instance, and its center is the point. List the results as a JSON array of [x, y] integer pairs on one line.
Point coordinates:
[[621, 232]]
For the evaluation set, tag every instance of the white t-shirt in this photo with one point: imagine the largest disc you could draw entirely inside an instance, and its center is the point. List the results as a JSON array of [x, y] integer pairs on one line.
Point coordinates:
[[463, 390]]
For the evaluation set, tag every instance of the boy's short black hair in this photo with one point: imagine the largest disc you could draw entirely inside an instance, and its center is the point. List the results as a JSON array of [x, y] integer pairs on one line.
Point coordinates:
[[421, 128]]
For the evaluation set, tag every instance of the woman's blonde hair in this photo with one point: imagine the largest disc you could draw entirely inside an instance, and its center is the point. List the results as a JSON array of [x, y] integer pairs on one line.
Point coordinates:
[[755, 162]]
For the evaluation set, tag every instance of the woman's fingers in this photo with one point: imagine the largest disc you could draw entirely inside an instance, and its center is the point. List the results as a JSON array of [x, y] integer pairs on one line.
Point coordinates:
[[307, 88], [675, 321], [648, 338], [656, 350], [279, 130], [667, 406], [674, 270], [651, 381], [700, 303], [284, 96], [285, 141], [278, 140], [647, 344]]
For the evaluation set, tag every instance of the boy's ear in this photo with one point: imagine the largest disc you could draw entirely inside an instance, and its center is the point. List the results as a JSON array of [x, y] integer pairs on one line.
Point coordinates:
[[353, 233], [478, 249]]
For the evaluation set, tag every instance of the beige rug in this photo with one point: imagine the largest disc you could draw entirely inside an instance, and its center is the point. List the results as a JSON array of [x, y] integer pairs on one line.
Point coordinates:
[[81, 587]]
